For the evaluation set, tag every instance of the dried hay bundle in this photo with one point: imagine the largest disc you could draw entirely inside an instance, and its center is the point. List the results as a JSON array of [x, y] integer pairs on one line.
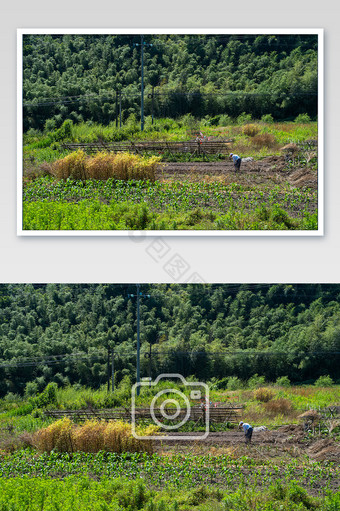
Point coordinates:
[[73, 166], [57, 436], [291, 428], [118, 437], [290, 148], [264, 140], [311, 415], [279, 406], [104, 165], [101, 166], [325, 449], [250, 130], [263, 394], [89, 437], [93, 436]]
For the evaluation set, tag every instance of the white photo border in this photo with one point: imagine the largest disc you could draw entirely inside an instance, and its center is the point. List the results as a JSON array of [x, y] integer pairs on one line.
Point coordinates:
[[217, 233]]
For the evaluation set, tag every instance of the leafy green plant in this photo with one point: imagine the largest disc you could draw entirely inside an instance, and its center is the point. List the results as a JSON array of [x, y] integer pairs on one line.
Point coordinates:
[[256, 381], [47, 397], [267, 118], [283, 381], [302, 118], [324, 381], [234, 383]]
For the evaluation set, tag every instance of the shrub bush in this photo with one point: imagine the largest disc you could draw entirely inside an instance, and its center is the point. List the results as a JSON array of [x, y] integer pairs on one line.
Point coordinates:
[[268, 118], [227, 383], [47, 397], [250, 130], [283, 381], [100, 166], [263, 394], [324, 381], [243, 118], [31, 389], [217, 384], [234, 383], [256, 381], [225, 120], [302, 118], [65, 131], [214, 121], [50, 125]]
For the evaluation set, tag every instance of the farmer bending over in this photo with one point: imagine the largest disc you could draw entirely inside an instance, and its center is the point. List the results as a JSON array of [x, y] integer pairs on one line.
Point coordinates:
[[248, 431], [237, 161]]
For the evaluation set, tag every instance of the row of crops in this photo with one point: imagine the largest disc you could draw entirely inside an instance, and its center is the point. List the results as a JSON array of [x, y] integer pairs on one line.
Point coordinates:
[[175, 470], [133, 204], [176, 195]]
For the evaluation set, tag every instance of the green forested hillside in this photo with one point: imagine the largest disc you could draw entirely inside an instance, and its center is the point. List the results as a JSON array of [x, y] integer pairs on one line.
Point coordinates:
[[202, 330], [197, 74]]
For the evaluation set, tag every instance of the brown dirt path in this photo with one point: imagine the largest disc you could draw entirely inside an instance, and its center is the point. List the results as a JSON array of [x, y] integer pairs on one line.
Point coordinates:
[[269, 171], [287, 440]]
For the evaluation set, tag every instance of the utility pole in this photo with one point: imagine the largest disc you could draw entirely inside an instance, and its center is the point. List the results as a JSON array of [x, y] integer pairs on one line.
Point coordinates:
[[120, 108], [139, 295], [138, 338], [142, 88], [108, 369], [150, 364], [153, 89], [112, 370], [116, 109], [142, 43]]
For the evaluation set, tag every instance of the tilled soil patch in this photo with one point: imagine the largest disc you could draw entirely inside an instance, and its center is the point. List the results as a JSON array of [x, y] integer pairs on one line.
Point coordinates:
[[325, 449], [290, 438], [272, 169]]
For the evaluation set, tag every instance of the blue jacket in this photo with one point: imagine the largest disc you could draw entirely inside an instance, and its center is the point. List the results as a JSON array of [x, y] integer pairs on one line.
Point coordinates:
[[235, 158]]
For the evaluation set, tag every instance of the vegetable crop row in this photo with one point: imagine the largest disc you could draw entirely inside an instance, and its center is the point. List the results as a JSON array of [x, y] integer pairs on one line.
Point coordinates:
[[178, 196], [175, 470]]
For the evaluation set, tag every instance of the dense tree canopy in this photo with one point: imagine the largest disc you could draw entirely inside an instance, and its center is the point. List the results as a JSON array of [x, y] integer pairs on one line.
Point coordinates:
[[202, 330], [197, 74]]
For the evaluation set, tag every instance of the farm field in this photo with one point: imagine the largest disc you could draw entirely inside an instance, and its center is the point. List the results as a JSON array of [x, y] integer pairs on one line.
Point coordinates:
[[283, 468], [277, 470], [269, 192]]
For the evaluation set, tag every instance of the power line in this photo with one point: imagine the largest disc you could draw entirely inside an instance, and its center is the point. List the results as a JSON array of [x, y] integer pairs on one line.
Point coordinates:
[[163, 39], [48, 360], [174, 351], [74, 99]]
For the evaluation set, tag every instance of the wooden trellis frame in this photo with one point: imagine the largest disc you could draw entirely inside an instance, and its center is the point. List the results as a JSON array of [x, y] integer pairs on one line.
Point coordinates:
[[191, 147], [220, 414]]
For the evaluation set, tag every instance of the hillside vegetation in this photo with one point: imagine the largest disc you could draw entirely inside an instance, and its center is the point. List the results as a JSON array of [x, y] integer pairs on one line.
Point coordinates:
[[200, 330], [79, 77]]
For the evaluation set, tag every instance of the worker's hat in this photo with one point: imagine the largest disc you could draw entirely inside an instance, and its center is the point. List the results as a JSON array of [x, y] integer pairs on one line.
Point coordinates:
[[230, 154], [241, 422]]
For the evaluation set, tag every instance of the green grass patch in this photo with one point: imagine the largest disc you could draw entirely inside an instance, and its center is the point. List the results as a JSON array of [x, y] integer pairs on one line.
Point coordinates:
[[116, 494], [192, 480], [47, 146], [128, 205], [94, 215]]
